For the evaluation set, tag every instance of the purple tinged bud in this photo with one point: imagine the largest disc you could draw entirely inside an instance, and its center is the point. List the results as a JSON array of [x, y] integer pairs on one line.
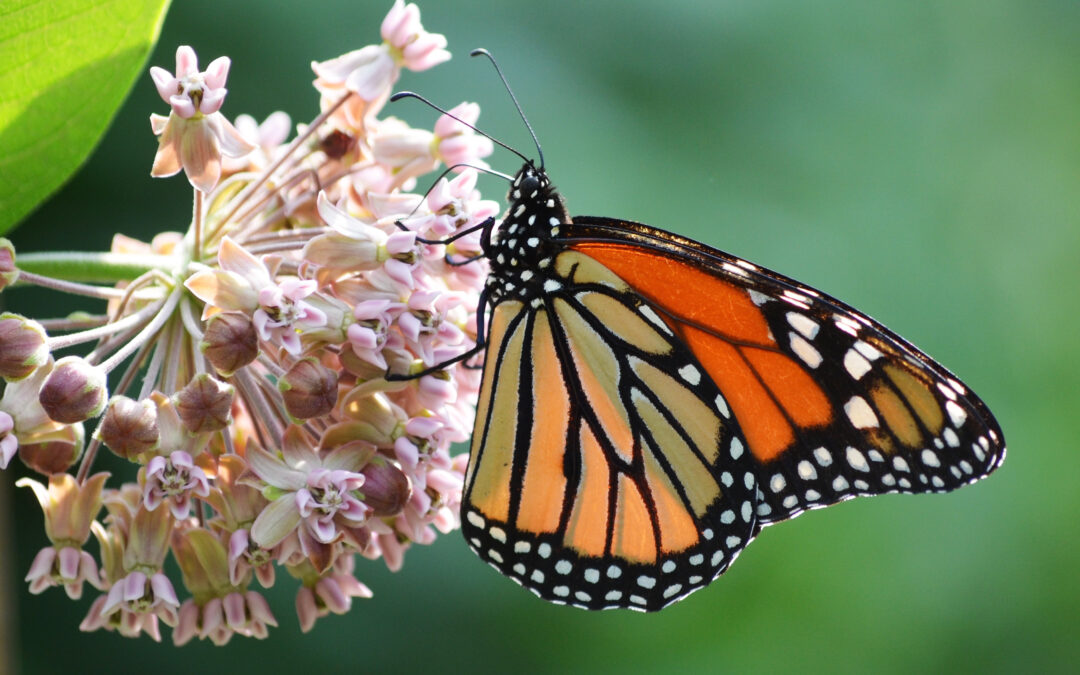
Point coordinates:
[[74, 391], [129, 427], [309, 389], [386, 488], [9, 274], [230, 342], [205, 404], [23, 346]]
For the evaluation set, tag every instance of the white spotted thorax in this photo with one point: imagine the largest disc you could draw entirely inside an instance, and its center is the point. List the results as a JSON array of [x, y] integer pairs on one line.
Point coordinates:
[[521, 249]]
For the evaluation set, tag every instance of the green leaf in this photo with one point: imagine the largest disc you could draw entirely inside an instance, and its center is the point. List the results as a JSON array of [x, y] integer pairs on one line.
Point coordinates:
[[65, 68]]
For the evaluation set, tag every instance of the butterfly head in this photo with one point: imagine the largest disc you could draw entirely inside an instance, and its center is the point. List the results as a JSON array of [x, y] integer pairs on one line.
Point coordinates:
[[535, 204], [531, 184]]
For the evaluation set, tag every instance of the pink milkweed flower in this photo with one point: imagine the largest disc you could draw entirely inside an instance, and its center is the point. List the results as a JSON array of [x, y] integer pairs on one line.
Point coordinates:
[[237, 505], [245, 283], [425, 325], [316, 494], [70, 509], [423, 435], [456, 205], [145, 596], [245, 556], [404, 258], [195, 134], [133, 550], [353, 246], [238, 613], [267, 138], [333, 592], [190, 91], [457, 143], [406, 150], [358, 246], [64, 566], [371, 331], [174, 479], [371, 72], [413, 152], [281, 307], [220, 608], [135, 604]]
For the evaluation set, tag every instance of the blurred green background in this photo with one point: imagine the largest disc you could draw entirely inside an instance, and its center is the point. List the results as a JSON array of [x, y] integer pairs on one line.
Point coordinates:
[[918, 160]]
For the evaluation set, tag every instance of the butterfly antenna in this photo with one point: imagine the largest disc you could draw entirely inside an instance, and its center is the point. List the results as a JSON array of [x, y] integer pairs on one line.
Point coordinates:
[[493, 172], [484, 52], [409, 94]]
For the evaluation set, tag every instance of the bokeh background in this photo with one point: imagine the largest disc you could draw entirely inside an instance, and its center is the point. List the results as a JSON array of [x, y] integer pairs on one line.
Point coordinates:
[[918, 160]]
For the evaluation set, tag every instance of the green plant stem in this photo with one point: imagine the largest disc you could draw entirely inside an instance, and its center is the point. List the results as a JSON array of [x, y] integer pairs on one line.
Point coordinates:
[[93, 267]]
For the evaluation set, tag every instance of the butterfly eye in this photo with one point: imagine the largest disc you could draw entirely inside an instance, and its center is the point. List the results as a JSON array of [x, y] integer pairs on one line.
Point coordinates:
[[529, 185]]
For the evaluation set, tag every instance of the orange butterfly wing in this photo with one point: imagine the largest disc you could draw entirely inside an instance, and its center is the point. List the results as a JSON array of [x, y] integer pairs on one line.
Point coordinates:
[[832, 404]]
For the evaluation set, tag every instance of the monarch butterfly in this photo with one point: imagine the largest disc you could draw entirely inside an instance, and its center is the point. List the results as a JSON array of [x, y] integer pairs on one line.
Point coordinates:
[[648, 404]]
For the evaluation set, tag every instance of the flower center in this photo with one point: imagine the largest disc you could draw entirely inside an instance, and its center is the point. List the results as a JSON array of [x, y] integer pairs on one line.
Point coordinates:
[[283, 312], [329, 499], [192, 86]]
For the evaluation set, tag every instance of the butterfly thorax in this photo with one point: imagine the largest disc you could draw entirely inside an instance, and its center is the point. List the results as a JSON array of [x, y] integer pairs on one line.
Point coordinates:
[[522, 249]]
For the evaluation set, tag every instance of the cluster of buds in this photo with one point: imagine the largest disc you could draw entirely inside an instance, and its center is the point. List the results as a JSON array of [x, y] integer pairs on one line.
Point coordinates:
[[242, 367]]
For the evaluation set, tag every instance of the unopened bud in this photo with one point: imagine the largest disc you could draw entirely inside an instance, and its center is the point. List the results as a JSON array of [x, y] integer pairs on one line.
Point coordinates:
[[54, 456], [9, 274], [129, 427], [74, 391], [23, 345], [205, 404], [386, 488], [309, 389], [230, 342], [376, 418]]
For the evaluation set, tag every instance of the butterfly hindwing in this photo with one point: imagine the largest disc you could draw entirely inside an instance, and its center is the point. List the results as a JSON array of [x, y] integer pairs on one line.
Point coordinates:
[[605, 469]]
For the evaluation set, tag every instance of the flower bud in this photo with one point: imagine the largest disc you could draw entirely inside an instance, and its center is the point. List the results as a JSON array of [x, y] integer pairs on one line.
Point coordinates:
[[230, 342], [205, 404], [23, 344], [375, 417], [9, 274], [74, 391], [308, 389], [53, 456], [129, 427], [386, 488]]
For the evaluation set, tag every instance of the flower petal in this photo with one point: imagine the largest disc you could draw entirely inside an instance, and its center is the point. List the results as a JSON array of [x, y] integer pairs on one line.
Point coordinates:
[[276, 521], [200, 154], [235, 258], [273, 471]]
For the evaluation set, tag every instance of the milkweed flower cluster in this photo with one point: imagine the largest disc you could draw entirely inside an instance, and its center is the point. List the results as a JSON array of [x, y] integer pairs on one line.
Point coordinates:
[[242, 367]]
